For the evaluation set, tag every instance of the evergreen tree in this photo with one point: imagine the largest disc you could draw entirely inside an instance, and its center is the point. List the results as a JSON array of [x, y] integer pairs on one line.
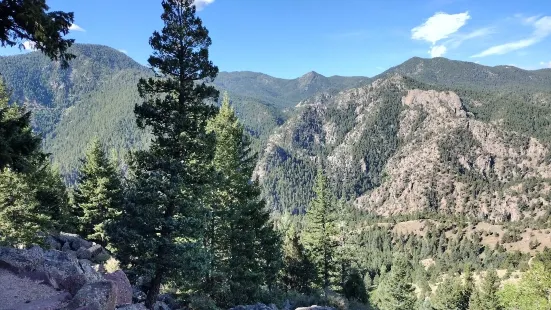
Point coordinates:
[[19, 146], [33, 198], [448, 295], [486, 297], [533, 292], [160, 231], [97, 196], [320, 232], [243, 242], [298, 271], [395, 291], [29, 20], [20, 216]]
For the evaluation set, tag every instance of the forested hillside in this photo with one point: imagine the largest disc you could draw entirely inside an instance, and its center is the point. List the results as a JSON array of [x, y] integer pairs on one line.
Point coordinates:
[[427, 187], [400, 146], [96, 95]]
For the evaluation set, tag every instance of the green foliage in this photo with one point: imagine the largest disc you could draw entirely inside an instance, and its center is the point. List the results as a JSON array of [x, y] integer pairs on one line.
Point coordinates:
[[160, 230], [20, 216], [30, 21], [97, 196], [320, 231], [243, 244], [395, 291], [486, 297], [18, 144], [298, 273], [532, 292], [354, 287]]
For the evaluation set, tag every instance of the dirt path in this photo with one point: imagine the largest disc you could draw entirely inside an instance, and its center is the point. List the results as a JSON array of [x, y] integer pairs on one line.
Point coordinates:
[[16, 292]]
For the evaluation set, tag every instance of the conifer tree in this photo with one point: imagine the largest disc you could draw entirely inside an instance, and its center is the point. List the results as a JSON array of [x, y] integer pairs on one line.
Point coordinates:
[[20, 216], [97, 196], [160, 231], [33, 198], [448, 295], [486, 297], [19, 146], [320, 233], [31, 21], [395, 291], [298, 271], [243, 241]]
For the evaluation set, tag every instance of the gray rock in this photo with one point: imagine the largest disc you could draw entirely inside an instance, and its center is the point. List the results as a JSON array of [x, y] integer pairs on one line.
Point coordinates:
[[60, 266], [140, 306], [89, 272], [83, 253], [159, 305], [314, 307], [258, 306], [94, 250], [17, 260], [75, 241], [66, 247], [138, 295], [123, 286], [53, 243], [98, 295]]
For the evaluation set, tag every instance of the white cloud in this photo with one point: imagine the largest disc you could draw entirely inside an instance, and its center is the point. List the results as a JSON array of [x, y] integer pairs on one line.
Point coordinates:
[[201, 4], [438, 51], [75, 27], [546, 64], [542, 29], [439, 26], [123, 51], [28, 45]]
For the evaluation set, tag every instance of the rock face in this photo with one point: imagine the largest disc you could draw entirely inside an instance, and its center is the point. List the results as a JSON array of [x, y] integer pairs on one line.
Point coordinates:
[[398, 147], [58, 279], [97, 295], [122, 285]]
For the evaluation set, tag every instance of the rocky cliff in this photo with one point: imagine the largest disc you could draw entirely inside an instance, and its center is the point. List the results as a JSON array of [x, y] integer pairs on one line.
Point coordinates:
[[397, 146]]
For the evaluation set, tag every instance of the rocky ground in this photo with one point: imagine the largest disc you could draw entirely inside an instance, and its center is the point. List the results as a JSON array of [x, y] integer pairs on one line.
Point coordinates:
[[66, 277], [71, 276]]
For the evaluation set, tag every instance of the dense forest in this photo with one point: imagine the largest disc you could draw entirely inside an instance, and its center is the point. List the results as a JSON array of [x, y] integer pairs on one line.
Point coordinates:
[[426, 187]]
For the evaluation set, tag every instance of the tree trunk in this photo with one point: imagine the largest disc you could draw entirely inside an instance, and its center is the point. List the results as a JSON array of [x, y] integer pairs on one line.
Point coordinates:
[[154, 288]]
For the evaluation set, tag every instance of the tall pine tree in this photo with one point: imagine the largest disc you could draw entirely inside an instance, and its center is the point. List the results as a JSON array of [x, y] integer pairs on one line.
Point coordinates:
[[160, 231], [320, 235], [33, 198], [240, 234], [486, 297], [97, 196], [298, 272], [395, 291]]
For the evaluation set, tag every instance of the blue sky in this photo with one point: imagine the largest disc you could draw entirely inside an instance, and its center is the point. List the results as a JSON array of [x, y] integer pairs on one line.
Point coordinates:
[[287, 38]]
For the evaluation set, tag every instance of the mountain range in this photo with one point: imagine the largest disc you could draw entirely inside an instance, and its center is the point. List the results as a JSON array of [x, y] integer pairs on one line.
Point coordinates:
[[429, 135]]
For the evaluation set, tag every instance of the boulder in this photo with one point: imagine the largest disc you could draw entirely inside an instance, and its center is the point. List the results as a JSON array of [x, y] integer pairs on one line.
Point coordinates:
[[74, 241], [91, 274], [95, 250], [138, 295], [258, 306], [53, 243], [83, 253], [123, 287], [59, 266], [159, 305], [18, 261], [140, 306], [314, 307], [98, 296]]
